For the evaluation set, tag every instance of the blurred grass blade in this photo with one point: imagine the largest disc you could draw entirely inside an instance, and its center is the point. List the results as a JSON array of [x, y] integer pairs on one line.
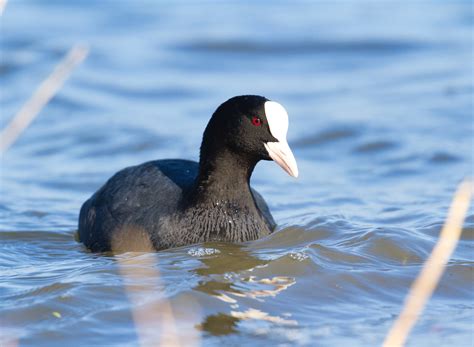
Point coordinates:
[[427, 280], [3, 4], [41, 97], [155, 321]]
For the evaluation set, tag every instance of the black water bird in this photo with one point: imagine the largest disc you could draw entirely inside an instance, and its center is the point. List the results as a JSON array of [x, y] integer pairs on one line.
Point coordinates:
[[169, 203]]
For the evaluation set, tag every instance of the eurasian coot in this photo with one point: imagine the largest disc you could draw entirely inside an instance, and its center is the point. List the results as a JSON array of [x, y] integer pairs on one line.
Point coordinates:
[[169, 203]]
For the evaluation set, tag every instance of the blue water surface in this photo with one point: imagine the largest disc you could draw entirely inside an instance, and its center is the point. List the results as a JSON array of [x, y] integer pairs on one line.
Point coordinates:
[[380, 97]]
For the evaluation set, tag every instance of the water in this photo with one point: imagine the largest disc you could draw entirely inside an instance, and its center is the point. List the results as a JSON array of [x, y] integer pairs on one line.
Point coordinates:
[[381, 121]]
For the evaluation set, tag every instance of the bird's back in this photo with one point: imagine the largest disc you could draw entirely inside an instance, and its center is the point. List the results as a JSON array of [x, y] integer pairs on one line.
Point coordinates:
[[131, 203]]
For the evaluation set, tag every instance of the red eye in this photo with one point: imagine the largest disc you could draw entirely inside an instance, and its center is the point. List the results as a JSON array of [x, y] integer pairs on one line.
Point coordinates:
[[256, 121]]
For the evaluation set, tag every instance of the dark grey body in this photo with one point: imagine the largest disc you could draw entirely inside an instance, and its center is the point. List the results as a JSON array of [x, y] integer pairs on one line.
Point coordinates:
[[149, 206]]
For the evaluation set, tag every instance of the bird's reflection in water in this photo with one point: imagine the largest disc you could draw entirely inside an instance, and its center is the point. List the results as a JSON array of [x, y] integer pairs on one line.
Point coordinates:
[[219, 324], [229, 276]]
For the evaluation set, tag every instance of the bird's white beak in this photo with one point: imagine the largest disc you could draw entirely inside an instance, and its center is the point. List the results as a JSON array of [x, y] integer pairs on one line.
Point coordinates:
[[279, 151]]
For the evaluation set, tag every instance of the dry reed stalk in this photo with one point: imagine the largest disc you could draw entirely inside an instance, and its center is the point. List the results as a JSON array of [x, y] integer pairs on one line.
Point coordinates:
[[149, 321], [41, 96], [8, 338], [3, 4], [155, 322], [427, 280]]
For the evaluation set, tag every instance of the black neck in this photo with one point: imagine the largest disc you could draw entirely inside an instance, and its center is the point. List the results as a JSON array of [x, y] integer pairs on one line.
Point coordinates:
[[224, 177]]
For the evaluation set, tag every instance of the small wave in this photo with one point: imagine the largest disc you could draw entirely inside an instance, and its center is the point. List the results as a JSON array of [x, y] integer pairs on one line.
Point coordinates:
[[302, 47], [140, 92], [443, 158], [375, 146], [325, 137]]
